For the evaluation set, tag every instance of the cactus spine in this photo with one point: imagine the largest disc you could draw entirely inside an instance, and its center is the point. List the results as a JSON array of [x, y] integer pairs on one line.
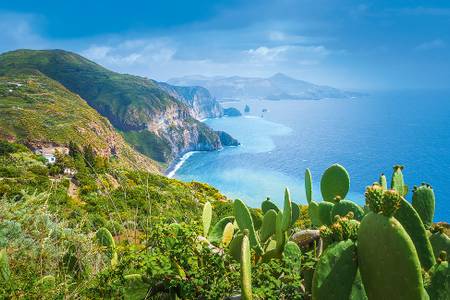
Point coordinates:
[[386, 250], [423, 202], [246, 269], [335, 182], [206, 217]]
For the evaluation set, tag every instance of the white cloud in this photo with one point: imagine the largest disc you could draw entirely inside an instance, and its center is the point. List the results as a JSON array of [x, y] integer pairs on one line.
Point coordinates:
[[299, 54], [429, 45]]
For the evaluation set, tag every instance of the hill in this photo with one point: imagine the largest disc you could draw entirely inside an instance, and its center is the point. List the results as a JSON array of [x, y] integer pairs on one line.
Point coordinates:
[[39, 111], [154, 122], [276, 87]]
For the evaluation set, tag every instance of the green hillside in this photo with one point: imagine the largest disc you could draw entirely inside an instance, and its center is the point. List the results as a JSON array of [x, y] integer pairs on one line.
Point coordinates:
[[35, 109], [131, 103]]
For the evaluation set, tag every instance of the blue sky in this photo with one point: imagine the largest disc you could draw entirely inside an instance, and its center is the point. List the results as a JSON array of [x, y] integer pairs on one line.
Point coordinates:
[[351, 44]]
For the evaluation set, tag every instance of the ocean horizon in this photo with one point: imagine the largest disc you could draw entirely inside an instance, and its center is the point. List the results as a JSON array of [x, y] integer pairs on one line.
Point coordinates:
[[366, 135]]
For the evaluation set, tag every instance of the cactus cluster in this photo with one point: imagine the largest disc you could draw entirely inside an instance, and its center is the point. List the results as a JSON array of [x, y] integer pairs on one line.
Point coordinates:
[[334, 187], [392, 251], [270, 240], [385, 251]]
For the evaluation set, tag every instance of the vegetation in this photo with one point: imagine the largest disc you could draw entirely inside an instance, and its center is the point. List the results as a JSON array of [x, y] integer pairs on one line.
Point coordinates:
[[37, 110], [116, 233], [131, 103]]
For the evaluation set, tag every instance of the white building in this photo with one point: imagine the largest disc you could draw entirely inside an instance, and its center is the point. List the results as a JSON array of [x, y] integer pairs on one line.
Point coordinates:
[[49, 152]]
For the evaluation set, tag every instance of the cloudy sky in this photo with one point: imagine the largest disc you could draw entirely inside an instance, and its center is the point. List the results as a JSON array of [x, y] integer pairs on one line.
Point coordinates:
[[380, 44]]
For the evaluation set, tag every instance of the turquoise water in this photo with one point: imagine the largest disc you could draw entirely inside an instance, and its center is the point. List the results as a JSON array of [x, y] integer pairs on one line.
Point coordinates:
[[368, 136]]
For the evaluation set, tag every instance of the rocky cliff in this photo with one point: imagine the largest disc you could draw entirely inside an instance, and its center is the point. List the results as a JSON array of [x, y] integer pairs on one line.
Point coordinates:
[[202, 104]]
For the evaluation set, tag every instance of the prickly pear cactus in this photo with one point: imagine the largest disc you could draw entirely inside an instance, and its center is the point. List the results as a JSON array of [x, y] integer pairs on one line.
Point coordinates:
[[246, 269], [335, 272], [206, 217], [308, 185], [343, 207], [342, 229], [287, 211], [324, 212], [423, 202], [228, 232], [268, 225], [413, 225], [335, 182], [439, 286], [385, 250], [383, 182], [267, 205], [313, 212], [244, 221], [5, 272], [397, 182], [295, 213], [235, 247], [216, 233], [439, 241]]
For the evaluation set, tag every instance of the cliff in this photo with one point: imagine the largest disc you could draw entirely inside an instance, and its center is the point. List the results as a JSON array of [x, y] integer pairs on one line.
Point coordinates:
[[136, 106], [202, 104]]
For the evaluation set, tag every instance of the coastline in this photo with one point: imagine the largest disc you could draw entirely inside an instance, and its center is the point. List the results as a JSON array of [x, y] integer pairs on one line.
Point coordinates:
[[172, 170]]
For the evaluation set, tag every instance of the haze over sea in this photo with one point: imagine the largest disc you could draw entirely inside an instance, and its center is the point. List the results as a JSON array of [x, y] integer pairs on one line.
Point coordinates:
[[367, 135]]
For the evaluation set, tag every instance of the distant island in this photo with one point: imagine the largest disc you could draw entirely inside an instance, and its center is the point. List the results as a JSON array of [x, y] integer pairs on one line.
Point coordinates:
[[276, 87]]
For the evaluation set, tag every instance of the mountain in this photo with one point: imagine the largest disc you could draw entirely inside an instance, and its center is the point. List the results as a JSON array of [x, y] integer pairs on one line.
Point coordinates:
[[39, 111], [203, 105], [153, 121], [276, 87]]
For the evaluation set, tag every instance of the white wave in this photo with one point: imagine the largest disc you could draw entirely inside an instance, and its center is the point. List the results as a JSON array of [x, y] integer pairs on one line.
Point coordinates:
[[252, 117], [180, 163]]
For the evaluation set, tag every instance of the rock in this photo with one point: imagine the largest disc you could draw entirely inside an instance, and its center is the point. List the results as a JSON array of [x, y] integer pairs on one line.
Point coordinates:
[[226, 139], [231, 112]]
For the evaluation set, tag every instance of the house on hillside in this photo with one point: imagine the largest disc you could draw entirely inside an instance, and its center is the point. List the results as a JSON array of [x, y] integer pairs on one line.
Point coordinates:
[[49, 152]]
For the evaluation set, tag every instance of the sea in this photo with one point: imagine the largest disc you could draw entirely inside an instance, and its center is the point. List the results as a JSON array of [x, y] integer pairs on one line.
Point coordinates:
[[367, 135]]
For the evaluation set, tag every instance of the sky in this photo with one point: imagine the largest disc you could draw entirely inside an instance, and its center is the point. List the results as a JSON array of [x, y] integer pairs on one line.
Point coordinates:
[[382, 44]]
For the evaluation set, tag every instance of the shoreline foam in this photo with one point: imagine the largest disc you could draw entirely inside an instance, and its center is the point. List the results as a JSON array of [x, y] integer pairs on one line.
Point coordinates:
[[179, 163]]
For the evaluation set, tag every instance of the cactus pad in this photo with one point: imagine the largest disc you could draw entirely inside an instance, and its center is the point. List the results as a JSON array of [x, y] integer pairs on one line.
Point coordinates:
[[335, 272], [385, 250], [335, 182], [423, 202], [246, 269], [308, 185]]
